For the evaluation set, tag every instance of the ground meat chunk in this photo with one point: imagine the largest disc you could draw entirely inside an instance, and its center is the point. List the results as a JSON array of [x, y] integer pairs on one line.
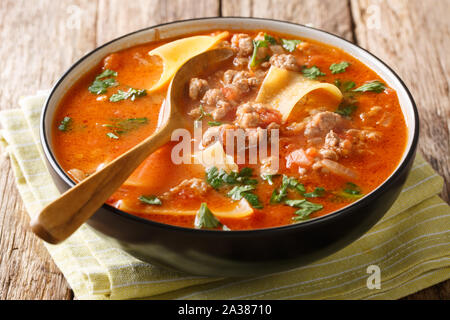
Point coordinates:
[[197, 87], [212, 96], [240, 82], [240, 61], [285, 61], [222, 109], [252, 115], [243, 44], [215, 98], [247, 116], [323, 122], [187, 189], [330, 149]]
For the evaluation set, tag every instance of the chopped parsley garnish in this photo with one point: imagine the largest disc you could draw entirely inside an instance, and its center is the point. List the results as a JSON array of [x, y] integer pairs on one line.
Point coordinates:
[[352, 188], [217, 178], [256, 45], [153, 200], [269, 177], [279, 195], [242, 182], [112, 135], [371, 86], [214, 123], [65, 124], [318, 192], [350, 191], [203, 113], [344, 86], [305, 208], [349, 104], [122, 126], [103, 81], [312, 73], [237, 193], [131, 94], [205, 218], [346, 110], [270, 39], [339, 67], [290, 45], [253, 200]]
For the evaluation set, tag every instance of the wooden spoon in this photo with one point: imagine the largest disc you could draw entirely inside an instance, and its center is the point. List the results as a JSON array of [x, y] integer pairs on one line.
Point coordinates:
[[58, 220]]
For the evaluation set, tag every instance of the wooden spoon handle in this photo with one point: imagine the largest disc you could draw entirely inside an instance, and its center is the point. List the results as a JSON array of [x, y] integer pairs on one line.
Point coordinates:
[[58, 220]]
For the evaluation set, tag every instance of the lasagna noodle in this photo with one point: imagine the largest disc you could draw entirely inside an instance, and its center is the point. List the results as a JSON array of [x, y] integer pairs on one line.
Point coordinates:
[[239, 209], [174, 54], [283, 90]]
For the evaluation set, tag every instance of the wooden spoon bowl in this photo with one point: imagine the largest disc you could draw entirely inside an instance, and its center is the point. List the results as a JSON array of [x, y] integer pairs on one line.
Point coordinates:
[[62, 217]]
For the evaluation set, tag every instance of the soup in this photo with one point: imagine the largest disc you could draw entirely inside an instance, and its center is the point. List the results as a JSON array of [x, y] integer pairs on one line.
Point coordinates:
[[319, 130]]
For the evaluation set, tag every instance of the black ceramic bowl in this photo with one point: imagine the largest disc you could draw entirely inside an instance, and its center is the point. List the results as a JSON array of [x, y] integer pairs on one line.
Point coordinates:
[[237, 253]]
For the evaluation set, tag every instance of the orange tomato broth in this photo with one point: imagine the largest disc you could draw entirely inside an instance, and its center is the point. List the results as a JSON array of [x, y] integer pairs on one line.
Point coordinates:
[[86, 145]]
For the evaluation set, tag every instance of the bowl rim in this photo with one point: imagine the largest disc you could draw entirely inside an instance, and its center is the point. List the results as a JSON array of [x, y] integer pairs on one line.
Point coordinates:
[[408, 154]]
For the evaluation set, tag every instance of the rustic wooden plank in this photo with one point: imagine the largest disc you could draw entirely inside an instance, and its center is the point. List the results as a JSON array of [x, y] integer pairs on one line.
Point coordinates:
[[116, 19], [330, 15], [39, 41], [413, 37]]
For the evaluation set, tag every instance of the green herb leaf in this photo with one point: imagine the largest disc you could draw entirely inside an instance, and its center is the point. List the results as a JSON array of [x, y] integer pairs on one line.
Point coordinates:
[[312, 73], [270, 39], [371, 86], [278, 195], [105, 74], [122, 126], [103, 81], [213, 177], [237, 193], [293, 183], [317, 193], [352, 189], [153, 200], [339, 67], [205, 218], [344, 86], [253, 200], [203, 113], [65, 124], [306, 208], [131, 94], [112, 135], [214, 123], [256, 45], [269, 177], [346, 110], [290, 45]]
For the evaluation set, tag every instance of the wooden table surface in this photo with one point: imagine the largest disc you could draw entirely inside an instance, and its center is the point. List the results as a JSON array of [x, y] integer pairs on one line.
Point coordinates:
[[41, 39]]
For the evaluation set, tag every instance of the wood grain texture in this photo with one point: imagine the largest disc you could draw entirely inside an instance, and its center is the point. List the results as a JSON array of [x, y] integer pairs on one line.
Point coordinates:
[[38, 43], [41, 40], [330, 15], [119, 17], [413, 37]]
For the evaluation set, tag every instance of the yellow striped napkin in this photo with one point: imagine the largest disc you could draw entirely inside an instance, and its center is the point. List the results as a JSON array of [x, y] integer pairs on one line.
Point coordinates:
[[410, 245]]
